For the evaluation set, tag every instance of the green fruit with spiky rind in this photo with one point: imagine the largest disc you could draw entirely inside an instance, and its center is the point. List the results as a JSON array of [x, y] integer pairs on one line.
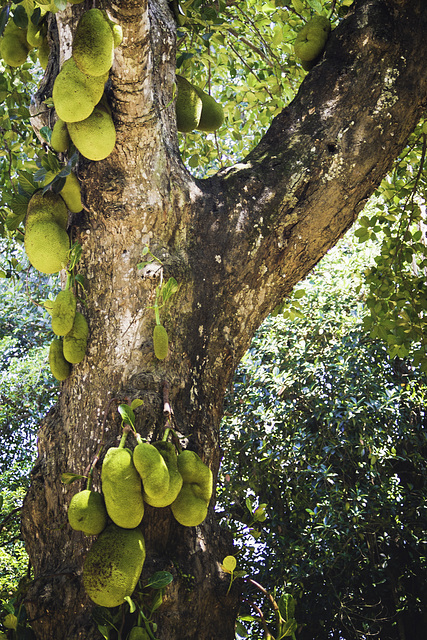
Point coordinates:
[[311, 40], [75, 94], [153, 470], [71, 193], [93, 43], [160, 342], [59, 366], [43, 53], [46, 206], [113, 565], [122, 489], [47, 246], [212, 115], [188, 106], [14, 47], [75, 341], [138, 633], [60, 138], [167, 450], [87, 512], [94, 137], [63, 312], [191, 506]]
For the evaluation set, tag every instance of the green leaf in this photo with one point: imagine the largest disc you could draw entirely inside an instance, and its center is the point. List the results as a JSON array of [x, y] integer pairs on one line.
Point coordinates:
[[132, 605], [68, 477], [169, 289], [229, 564], [137, 402], [157, 601], [159, 580], [128, 416], [240, 630]]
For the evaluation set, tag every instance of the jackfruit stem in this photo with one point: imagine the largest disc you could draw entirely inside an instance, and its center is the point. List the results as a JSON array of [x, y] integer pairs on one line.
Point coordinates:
[[89, 480], [126, 430], [68, 283], [138, 437], [166, 434], [156, 311]]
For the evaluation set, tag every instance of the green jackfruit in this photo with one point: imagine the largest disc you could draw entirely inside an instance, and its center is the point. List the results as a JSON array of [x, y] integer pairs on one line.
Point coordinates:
[[87, 512], [138, 633], [93, 43], [153, 470], [63, 312], [188, 106], [94, 137], [113, 565], [59, 366], [75, 341], [311, 40], [14, 47], [71, 193], [191, 506], [121, 486], [74, 93], [60, 139], [212, 115], [46, 206], [43, 53], [167, 450], [160, 342], [47, 246]]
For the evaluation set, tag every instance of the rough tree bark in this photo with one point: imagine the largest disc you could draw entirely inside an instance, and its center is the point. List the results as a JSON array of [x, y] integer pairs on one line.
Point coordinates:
[[236, 243]]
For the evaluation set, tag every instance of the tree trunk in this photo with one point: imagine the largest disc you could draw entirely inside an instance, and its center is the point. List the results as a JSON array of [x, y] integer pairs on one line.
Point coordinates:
[[236, 243]]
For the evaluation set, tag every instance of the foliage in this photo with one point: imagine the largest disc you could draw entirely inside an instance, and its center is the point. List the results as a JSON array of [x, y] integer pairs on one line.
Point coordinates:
[[329, 431]]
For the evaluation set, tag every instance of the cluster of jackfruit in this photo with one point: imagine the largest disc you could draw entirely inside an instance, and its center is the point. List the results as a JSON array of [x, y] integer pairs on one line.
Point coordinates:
[[84, 116], [152, 473], [73, 327], [196, 109], [16, 43], [311, 41]]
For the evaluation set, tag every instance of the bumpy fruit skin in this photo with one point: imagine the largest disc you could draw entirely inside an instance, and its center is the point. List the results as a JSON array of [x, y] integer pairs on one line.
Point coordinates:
[[191, 506], [59, 366], [87, 512], [93, 43], [43, 53], [121, 486], [167, 451], [63, 312], [14, 46], [48, 206], [212, 115], [75, 341], [152, 468], [94, 137], [71, 193], [160, 342], [47, 245], [188, 106], [113, 565], [74, 93], [60, 139], [311, 40]]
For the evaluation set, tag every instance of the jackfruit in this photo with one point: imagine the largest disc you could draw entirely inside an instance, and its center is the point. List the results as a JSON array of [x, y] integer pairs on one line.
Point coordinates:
[[74, 93], [188, 106], [36, 32], [153, 470], [71, 193], [160, 341], [121, 486], [14, 47], [59, 366], [212, 115], [93, 43], [311, 40], [94, 137], [63, 312], [60, 139], [138, 633], [167, 451], [47, 246], [113, 565], [46, 206], [75, 341], [87, 512], [43, 53], [191, 506]]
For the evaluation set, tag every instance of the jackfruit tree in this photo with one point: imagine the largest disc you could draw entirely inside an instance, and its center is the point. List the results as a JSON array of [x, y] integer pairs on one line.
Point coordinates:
[[271, 166]]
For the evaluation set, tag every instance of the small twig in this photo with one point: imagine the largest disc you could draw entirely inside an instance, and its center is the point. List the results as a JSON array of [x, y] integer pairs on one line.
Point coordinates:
[[9, 516]]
